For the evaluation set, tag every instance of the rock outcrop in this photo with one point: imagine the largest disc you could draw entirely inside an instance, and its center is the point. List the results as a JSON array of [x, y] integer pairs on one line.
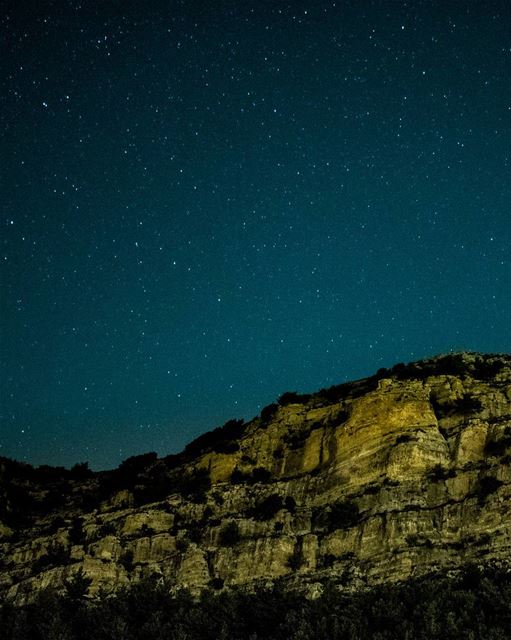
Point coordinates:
[[394, 476]]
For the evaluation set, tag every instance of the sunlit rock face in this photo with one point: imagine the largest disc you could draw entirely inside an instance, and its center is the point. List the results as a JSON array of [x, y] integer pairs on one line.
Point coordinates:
[[398, 475]]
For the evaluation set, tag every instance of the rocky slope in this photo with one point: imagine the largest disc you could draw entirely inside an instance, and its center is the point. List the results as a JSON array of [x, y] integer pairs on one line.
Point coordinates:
[[386, 478]]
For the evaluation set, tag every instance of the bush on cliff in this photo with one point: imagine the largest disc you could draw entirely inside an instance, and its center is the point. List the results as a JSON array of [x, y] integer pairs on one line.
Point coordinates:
[[340, 515], [222, 439], [229, 535], [268, 507]]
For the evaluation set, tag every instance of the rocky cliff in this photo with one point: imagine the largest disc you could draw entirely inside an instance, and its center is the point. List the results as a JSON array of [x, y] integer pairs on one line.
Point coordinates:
[[393, 476]]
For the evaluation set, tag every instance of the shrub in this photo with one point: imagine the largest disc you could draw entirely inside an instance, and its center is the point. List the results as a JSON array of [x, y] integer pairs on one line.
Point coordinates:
[[134, 465], [327, 561], [499, 447], [222, 439], [439, 409], [371, 489], [45, 474], [268, 508], [483, 540], [182, 544], [57, 523], [194, 533], [439, 472], [290, 504], [193, 485], [399, 370], [216, 583], [90, 500], [296, 440], [419, 541], [126, 476], [487, 485], [351, 390], [296, 560], [146, 530], [218, 499], [467, 404], [108, 529], [81, 471], [154, 485], [76, 532], [340, 515], [55, 498], [229, 535], [343, 515], [268, 412], [57, 555], [451, 365], [17, 505], [486, 369], [227, 446], [77, 586], [126, 559], [240, 477], [259, 474], [291, 397]]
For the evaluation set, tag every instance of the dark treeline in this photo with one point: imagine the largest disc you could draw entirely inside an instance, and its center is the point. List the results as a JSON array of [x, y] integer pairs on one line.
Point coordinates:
[[475, 605]]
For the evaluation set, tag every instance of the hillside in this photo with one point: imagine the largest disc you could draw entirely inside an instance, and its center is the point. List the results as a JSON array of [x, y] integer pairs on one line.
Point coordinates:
[[381, 480]]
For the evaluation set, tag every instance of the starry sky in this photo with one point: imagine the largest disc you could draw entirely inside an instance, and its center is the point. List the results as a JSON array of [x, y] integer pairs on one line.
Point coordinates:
[[206, 204]]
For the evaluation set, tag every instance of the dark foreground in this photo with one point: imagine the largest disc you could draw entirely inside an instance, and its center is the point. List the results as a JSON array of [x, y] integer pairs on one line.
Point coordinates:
[[474, 605]]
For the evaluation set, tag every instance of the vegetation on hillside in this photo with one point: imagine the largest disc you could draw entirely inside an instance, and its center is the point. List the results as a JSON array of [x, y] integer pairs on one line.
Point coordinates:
[[476, 605]]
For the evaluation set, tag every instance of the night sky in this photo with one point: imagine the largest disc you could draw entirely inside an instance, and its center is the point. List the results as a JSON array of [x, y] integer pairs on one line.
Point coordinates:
[[206, 204]]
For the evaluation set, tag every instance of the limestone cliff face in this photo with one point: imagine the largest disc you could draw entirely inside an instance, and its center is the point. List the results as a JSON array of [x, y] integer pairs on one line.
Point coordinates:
[[401, 474]]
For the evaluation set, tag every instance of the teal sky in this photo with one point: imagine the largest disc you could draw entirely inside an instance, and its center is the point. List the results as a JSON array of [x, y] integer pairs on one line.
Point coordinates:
[[205, 206]]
